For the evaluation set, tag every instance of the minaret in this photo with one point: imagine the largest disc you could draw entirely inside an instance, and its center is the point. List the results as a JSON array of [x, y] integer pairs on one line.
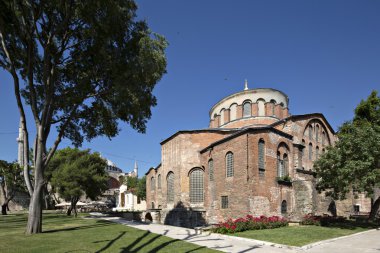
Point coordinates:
[[245, 84], [20, 142], [135, 169]]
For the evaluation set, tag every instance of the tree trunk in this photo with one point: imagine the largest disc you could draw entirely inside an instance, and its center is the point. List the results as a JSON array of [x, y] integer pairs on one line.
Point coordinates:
[[374, 209], [34, 225], [69, 211], [4, 209]]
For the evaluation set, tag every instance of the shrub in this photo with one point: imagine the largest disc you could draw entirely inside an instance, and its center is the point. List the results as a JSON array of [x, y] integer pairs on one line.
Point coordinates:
[[250, 223], [311, 220]]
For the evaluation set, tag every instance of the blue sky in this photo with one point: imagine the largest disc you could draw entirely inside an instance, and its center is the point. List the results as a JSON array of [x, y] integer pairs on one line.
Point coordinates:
[[325, 55]]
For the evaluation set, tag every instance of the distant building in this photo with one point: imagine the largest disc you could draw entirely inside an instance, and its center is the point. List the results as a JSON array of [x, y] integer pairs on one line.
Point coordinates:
[[255, 158]]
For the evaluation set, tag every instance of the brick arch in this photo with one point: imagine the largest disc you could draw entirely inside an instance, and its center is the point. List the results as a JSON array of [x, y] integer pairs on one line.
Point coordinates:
[[322, 128]]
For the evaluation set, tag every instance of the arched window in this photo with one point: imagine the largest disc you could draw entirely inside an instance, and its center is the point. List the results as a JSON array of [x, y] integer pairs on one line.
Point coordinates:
[[273, 106], [261, 107], [170, 187], [222, 117], [310, 151], [310, 132], [279, 165], [233, 109], [317, 133], [152, 205], [211, 169], [285, 165], [247, 109], [304, 147], [316, 153], [323, 138], [284, 207], [230, 164], [159, 181], [196, 186], [261, 157], [152, 184]]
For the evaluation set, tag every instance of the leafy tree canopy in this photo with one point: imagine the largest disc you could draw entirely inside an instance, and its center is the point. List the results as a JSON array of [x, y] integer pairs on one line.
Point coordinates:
[[82, 67], [11, 182], [77, 173], [354, 162]]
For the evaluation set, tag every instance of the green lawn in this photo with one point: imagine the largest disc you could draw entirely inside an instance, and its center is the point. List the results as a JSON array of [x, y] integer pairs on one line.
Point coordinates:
[[66, 234], [299, 235]]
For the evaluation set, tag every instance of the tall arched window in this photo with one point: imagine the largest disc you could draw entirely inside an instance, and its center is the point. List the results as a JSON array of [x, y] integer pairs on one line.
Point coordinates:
[[211, 169], [279, 165], [323, 138], [170, 187], [230, 164], [316, 152], [152, 184], [247, 109], [317, 133], [159, 181], [285, 165], [284, 207], [310, 151], [310, 132], [261, 157], [196, 186]]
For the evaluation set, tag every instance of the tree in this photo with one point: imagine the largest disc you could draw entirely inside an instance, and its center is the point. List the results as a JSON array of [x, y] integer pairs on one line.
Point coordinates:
[[77, 173], [11, 182], [141, 188], [353, 164], [131, 183], [81, 67]]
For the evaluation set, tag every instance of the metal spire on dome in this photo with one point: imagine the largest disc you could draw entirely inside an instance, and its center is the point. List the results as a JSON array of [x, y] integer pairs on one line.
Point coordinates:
[[245, 84]]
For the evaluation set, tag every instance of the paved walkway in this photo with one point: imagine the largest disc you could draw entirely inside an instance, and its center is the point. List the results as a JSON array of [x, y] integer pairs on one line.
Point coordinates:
[[366, 242]]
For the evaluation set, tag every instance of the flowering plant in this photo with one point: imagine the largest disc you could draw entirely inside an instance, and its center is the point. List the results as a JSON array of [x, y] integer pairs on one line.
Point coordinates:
[[250, 222]]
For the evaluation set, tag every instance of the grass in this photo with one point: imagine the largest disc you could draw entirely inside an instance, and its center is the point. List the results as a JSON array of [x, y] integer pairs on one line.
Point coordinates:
[[300, 235], [68, 234]]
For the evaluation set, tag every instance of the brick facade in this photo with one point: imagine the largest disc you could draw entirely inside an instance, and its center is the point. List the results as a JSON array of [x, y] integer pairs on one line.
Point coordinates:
[[291, 145]]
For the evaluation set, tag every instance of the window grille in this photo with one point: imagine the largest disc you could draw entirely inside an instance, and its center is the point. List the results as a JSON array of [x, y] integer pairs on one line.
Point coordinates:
[[317, 134], [211, 169], [159, 181], [310, 151], [284, 207], [310, 132], [229, 164], [261, 157], [246, 109], [224, 202], [196, 186], [152, 184], [285, 167], [170, 187]]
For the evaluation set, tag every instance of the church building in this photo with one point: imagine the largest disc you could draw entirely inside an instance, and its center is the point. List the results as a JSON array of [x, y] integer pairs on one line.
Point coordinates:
[[255, 158]]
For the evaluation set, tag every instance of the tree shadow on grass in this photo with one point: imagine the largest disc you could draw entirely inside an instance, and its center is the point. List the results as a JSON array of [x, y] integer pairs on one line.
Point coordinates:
[[98, 224], [110, 242]]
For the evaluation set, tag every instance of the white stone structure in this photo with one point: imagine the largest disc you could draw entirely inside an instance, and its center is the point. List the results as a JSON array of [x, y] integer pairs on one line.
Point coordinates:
[[127, 201]]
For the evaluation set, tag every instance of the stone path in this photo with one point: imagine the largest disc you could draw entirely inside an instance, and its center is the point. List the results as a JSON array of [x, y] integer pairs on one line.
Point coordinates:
[[366, 242]]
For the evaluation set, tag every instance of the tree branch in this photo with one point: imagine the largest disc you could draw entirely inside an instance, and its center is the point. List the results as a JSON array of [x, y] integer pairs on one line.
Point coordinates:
[[60, 135], [22, 114]]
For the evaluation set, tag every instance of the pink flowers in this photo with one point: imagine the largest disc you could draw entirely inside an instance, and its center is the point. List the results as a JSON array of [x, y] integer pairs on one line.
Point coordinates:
[[250, 223]]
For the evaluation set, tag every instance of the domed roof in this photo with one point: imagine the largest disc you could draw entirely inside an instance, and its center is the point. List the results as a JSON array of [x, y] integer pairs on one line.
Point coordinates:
[[259, 106]]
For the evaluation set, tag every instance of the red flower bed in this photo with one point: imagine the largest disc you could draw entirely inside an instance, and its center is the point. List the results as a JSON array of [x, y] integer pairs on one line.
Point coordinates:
[[250, 223]]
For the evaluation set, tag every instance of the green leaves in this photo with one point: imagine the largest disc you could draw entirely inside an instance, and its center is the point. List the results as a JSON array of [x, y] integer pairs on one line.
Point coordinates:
[[354, 161], [76, 172]]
